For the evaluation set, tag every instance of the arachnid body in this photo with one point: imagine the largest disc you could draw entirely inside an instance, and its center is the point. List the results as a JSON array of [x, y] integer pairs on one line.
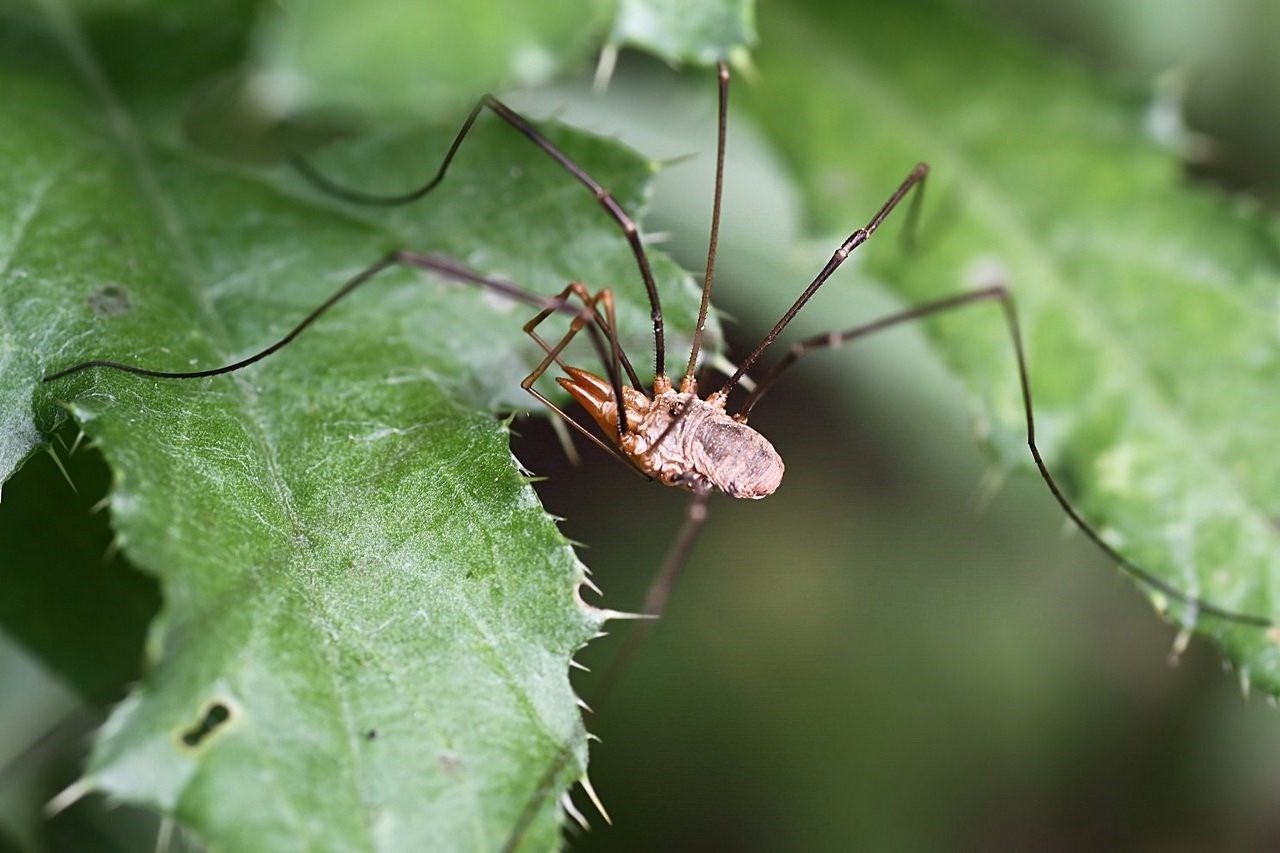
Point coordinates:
[[681, 439]]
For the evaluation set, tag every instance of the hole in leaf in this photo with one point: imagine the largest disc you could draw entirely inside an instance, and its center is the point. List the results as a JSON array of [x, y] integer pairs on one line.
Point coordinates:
[[109, 300], [215, 716]]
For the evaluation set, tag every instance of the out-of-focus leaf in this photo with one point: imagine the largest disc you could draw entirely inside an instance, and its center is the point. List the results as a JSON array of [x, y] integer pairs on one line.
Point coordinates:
[[1148, 307], [367, 616], [393, 56], [701, 32]]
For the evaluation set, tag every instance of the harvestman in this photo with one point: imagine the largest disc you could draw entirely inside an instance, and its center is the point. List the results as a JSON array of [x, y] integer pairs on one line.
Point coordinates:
[[673, 434]]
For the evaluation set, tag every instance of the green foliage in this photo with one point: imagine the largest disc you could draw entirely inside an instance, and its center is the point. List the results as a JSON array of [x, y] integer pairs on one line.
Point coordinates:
[[416, 58], [367, 617], [681, 31], [1148, 307]]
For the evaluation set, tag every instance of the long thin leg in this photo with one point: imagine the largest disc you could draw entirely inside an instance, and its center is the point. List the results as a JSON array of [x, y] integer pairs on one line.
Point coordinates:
[[660, 589], [1001, 295], [63, 732], [443, 266], [915, 179], [615, 348], [628, 226], [446, 267], [722, 122]]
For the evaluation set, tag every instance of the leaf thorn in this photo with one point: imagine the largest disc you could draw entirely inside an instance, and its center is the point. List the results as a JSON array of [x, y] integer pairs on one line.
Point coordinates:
[[604, 67], [585, 782], [566, 803], [611, 615], [57, 460], [68, 796], [1179, 646]]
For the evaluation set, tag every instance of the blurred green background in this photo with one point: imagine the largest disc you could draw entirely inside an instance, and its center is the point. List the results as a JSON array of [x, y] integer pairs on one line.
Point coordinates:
[[893, 652]]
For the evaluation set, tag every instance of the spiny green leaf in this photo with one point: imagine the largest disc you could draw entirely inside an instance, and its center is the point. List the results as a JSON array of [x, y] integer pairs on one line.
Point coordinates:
[[1148, 307], [680, 31], [367, 616]]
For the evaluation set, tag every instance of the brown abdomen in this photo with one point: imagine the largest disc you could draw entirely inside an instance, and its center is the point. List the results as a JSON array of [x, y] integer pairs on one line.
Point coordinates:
[[738, 460]]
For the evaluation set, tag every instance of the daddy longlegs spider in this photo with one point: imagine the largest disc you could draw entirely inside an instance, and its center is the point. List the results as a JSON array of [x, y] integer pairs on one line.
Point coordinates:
[[673, 434]]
